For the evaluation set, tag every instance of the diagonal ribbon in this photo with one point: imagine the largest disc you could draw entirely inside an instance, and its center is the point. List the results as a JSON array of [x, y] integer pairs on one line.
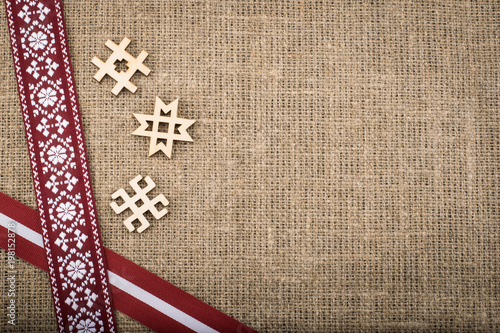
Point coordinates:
[[136, 292], [51, 115]]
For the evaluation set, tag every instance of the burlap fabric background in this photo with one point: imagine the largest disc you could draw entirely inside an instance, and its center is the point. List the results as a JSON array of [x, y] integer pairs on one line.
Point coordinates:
[[344, 170]]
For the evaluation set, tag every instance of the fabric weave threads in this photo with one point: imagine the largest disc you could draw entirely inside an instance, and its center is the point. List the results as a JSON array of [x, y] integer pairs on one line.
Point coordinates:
[[344, 170]]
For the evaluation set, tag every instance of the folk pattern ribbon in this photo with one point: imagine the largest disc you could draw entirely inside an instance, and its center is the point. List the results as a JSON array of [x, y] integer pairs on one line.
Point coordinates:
[[58, 157]]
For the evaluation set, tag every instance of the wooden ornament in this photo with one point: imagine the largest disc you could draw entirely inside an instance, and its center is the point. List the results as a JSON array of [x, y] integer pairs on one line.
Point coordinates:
[[139, 210], [177, 127], [122, 78]]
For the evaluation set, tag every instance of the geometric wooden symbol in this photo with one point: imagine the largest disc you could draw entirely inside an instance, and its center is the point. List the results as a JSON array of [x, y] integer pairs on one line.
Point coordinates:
[[122, 78], [176, 127], [139, 210]]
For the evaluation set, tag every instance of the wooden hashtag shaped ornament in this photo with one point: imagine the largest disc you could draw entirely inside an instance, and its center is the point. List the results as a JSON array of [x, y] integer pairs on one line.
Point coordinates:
[[177, 127], [122, 78], [139, 210]]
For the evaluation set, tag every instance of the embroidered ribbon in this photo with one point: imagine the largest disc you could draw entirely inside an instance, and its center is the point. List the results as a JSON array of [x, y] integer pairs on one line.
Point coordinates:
[[138, 293], [58, 157]]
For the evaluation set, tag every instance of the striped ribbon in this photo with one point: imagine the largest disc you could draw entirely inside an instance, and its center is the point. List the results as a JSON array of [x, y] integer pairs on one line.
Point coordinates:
[[136, 292]]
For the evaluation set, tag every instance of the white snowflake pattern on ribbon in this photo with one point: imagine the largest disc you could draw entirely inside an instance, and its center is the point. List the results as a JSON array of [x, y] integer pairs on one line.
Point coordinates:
[[66, 211], [76, 269], [38, 40], [86, 326], [57, 154], [47, 96]]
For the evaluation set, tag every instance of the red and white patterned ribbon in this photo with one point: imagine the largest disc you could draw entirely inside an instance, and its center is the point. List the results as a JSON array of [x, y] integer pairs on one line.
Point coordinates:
[[71, 237], [138, 293]]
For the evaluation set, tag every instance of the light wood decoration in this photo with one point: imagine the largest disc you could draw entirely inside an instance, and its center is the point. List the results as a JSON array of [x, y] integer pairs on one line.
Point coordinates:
[[122, 78], [174, 132], [138, 211]]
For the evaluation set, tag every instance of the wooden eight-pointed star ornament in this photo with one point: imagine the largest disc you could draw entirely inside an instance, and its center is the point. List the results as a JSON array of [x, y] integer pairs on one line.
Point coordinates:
[[176, 127]]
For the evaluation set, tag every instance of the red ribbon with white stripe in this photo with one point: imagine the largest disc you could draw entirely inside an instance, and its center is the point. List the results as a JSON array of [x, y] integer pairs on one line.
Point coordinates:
[[59, 166], [136, 292]]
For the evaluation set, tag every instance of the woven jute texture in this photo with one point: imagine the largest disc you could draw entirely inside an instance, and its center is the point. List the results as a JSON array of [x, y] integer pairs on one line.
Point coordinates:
[[344, 174]]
